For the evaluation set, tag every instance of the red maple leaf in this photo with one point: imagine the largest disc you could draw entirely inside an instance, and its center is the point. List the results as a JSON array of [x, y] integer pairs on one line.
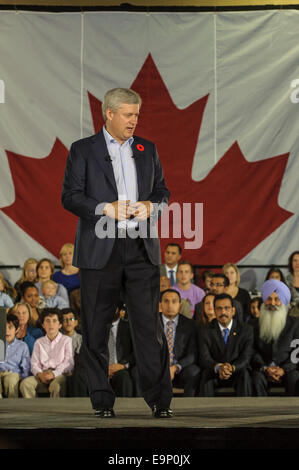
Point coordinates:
[[240, 198], [37, 208]]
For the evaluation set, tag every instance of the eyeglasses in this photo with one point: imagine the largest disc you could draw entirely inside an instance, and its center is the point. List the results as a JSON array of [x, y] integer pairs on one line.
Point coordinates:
[[216, 285], [225, 309], [66, 320]]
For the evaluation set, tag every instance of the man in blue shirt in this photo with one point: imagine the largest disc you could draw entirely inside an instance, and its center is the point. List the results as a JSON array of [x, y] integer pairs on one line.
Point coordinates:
[[17, 360]]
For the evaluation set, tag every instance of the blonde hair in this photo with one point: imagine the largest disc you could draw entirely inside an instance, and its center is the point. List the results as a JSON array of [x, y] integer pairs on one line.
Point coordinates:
[[14, 310], [11, 291], [49, 281], [235, 267], [66, 245], [25, 266]]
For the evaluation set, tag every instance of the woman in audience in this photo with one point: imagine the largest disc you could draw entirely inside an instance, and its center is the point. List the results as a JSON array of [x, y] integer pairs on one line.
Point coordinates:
[[28, 274], [236, 292], [30, 295], [204, 311], [27, 331], [6, 299], [45, 270], [275, 273], [292, 279], [68, 276]]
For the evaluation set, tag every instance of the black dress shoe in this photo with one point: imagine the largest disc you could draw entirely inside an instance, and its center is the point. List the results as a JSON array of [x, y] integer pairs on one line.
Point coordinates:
[[104, 413], [161, 412]]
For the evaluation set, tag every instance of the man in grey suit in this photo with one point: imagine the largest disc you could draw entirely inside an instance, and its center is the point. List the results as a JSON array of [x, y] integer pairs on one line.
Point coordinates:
[[114, 183]]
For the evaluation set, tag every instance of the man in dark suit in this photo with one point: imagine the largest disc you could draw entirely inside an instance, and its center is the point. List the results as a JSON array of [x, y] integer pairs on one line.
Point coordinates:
[[274, 333], [180, 333], [172, 255], [114, 183], [121, 357], [225, 351]]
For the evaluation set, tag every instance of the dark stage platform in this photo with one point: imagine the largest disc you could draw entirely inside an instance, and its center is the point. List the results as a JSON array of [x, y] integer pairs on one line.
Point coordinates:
[[198, 423]]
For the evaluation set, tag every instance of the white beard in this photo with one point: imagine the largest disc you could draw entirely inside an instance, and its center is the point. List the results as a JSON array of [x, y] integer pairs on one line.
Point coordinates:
[[271, 323]]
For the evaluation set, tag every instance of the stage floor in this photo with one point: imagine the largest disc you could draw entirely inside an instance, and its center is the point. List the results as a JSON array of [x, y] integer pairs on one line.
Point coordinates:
[[222, 422]]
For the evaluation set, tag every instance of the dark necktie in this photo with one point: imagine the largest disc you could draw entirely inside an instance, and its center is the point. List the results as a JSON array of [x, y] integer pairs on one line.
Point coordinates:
[[170, 342], [172, 277], [225, 334]]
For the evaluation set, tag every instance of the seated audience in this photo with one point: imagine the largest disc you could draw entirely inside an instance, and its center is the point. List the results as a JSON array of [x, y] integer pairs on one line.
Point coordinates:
[[27, 332], [275, 273], [204, 311], [206, 279], [45, 270], [75, 302], [5, 299], [225, 351], [292, 279], [68, 276], [121, 371], [185, 304], [52, 359], [185, 287], [234, 290], [28, 274], [30, 295], [69, 325], [17, 360], [49, 293], [219, 285], [273, 336], [172, 255], [180, 334], [7, 289], [255, 307]]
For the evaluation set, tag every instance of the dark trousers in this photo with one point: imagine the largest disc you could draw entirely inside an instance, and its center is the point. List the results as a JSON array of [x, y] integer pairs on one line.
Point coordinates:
[[188, 379], [122, 383], [290, 381], [130, 271], [240, 381]]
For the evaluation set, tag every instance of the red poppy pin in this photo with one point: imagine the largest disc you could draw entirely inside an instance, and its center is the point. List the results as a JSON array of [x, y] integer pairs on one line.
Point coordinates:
[[140, 147]]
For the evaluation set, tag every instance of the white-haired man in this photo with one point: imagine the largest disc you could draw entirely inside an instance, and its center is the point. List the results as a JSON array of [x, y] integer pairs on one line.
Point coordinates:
[[274, 333]]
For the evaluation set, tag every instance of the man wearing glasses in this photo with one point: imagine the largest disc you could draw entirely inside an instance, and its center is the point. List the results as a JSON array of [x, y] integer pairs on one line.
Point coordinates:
[[218, 285], [225, 351]]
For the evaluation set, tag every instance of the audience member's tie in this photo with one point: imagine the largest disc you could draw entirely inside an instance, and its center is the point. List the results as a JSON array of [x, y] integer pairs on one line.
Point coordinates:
[[169, 337], [111, 348], [172, 277], [225, 334]]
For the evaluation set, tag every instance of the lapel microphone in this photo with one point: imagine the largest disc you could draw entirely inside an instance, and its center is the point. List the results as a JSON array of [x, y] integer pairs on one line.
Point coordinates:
[[108, 158]]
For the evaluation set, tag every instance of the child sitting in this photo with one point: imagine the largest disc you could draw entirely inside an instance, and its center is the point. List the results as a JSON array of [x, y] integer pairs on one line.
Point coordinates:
[[51, 360], [5, 299], [49, 292], [17, 360]]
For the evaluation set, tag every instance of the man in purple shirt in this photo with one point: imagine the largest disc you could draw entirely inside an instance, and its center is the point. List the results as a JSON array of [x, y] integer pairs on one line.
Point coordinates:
[[185, 287], [52, 358]]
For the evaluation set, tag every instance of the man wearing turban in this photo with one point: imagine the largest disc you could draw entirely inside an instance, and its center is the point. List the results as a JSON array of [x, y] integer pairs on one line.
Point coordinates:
[[273, 335]]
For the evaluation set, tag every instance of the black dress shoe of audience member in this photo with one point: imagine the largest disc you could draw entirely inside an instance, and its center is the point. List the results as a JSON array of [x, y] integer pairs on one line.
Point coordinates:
[[104, 413], [161, 412]]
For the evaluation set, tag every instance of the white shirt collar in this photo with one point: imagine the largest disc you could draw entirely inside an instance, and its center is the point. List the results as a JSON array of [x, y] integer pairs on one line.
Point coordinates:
[[228, 326]]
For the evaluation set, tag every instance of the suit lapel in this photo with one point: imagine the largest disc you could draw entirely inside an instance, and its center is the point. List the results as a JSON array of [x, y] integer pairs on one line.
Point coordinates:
[[101, 155], [138, 155], [233, 334], [218, 338]]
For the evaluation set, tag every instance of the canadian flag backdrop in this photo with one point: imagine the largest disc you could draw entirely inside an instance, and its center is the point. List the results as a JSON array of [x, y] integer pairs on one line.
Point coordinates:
[[220, 99]]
